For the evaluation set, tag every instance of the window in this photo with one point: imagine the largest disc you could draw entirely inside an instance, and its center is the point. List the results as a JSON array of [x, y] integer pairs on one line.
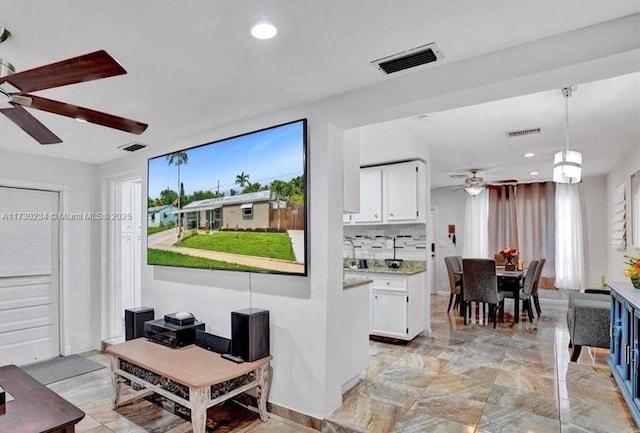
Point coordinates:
[[247, 210]]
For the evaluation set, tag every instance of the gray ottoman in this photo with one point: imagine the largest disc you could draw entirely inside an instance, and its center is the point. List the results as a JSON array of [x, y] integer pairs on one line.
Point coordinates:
[[589, 321]]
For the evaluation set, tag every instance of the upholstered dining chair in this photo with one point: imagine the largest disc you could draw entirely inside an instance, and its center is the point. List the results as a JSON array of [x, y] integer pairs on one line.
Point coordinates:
[[536, 281], [481, 285], [452, 264], [526, 289]]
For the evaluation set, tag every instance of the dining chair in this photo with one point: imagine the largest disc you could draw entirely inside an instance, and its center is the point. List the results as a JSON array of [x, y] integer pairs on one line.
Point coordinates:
[[481, 285], [451, 262], [525, 289], [534, 291]]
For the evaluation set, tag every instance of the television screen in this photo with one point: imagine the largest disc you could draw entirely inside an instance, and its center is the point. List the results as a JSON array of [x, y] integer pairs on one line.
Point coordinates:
[[237, 204]]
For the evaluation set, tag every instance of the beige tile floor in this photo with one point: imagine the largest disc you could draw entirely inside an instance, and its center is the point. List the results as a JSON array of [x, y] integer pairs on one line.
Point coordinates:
[[476, 379], [468, 379]]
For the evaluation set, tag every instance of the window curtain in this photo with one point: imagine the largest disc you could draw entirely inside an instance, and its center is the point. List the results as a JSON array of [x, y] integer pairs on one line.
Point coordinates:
[[503, 224], [570, 271], [475, 241], [535, 209]]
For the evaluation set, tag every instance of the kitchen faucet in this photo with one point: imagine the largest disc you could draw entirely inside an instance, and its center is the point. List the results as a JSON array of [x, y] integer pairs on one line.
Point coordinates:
[[353, 250]]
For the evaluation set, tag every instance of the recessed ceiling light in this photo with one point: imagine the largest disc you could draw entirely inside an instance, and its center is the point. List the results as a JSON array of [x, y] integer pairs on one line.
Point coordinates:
[[534, 173], [529, 155], [263, 30]]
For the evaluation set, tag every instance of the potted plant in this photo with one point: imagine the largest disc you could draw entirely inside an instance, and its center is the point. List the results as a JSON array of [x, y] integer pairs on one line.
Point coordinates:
[[633, 270]]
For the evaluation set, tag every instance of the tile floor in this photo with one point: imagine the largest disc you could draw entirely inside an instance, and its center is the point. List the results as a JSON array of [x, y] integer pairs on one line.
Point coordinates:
[[470, 379], [476, 379]]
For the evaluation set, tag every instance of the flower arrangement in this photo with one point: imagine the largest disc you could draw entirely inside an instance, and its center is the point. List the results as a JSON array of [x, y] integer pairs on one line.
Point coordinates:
[[509, 253], [633, 270]]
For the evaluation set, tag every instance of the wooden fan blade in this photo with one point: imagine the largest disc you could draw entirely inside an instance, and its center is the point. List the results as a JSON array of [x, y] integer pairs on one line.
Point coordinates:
[[30, 125], [92, 66], [88, 115]]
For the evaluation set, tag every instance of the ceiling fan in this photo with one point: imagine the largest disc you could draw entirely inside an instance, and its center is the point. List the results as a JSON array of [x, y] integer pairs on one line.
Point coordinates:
[[16, 88]]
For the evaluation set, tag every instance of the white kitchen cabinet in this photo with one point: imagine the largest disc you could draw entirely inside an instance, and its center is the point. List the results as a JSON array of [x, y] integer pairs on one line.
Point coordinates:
[[391, 194], [370, 196], [401, 192], [396, 303], [388, 313]]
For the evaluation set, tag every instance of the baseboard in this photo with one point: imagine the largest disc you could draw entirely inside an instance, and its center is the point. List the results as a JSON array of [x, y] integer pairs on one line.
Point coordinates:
[[282, 412]]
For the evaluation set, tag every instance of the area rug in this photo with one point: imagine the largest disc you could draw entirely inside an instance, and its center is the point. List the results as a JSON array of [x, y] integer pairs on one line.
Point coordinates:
[[63, 367]]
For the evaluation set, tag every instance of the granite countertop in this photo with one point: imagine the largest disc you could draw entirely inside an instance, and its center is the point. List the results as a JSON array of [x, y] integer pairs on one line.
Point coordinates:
[[408, 267], [350, 283]]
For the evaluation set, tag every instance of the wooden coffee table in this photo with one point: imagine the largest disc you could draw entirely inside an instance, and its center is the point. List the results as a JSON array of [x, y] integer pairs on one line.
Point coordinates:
[[191, 376], [35, 408]]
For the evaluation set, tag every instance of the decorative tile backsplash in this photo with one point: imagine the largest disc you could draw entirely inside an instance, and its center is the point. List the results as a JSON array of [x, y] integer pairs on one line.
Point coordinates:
[[375, 242]]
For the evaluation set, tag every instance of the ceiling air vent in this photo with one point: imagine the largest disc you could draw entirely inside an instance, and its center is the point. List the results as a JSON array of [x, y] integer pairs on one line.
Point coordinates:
[[408, 59], [132, 147], [522, 132]]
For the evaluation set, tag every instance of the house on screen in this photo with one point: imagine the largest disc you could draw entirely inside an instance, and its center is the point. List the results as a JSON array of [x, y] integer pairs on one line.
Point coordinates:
[[242, 211], [162, 216]]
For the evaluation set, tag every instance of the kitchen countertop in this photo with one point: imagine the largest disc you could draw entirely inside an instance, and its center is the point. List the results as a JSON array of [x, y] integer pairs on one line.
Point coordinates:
[[350, 283], [408, 267]]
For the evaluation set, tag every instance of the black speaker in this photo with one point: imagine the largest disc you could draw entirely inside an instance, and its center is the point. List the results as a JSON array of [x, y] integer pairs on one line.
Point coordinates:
[[212, 342], [134, 319], [250, 334]]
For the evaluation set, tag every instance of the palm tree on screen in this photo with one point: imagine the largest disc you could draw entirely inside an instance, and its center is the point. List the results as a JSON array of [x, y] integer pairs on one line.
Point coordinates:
[[178, 159], [242, 179]]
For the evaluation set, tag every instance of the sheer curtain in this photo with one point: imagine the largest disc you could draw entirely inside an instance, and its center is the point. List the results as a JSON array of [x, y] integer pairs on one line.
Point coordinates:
[[503, 224], [476, 224], [570, 272], [535, 205]]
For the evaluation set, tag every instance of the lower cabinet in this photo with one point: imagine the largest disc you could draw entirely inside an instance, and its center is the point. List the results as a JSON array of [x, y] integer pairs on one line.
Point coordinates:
[[624, 356], [396, 305]]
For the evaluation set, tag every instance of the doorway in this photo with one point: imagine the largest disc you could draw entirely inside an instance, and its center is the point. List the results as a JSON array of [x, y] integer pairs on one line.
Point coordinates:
[[29, 275]]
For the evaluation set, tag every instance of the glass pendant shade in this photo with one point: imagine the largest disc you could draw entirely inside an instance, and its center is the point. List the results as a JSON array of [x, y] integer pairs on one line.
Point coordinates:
[[474, 190], [567, 167]]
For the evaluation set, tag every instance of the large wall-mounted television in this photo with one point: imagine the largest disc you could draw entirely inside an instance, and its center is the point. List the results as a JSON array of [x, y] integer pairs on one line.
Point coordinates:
[[237, 204]]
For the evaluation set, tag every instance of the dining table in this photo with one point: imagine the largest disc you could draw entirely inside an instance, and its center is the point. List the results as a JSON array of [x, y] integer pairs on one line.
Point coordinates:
[[507, 280]]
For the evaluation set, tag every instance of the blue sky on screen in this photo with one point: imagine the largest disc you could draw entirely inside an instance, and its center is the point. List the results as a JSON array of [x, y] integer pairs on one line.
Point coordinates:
[[275, 153]]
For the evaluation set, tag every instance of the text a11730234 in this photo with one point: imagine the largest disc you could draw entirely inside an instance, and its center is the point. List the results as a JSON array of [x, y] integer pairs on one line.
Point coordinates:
[[65, 216]]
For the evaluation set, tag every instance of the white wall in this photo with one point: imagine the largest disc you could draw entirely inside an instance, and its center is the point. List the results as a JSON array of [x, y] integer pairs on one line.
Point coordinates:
[[449, 204], [304, 316], [594, 221], [80, 287], [628, 164]]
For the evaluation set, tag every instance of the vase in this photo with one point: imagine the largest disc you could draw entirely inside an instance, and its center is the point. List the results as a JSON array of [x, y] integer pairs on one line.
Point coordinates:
[[636, 282], [509, 265]]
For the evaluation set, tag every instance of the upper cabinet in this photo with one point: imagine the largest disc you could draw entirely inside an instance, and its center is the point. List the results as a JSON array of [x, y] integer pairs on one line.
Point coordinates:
[[391, 194]]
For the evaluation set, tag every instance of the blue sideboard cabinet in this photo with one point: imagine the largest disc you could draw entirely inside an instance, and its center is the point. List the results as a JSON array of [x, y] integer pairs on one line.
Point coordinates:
[[624, 356]]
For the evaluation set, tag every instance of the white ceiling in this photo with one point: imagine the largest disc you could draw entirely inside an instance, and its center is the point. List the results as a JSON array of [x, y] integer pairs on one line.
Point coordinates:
[[604, 119], [192, 66]]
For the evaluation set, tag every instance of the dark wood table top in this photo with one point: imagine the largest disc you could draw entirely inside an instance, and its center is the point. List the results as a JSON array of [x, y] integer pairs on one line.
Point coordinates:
[[35, 408]]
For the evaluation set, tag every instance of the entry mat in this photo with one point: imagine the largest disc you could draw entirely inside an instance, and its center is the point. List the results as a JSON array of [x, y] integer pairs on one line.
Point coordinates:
[[60, 368]]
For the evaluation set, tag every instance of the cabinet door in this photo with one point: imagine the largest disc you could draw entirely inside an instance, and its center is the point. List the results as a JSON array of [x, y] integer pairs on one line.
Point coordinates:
[[370, 196], [616, 349], [388, 313], [401, 192]]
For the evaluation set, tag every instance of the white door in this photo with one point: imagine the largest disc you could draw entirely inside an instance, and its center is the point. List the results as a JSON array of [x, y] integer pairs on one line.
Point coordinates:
[[128, 250], [370, 196], [388, 313], [401, 192], [29, 298]]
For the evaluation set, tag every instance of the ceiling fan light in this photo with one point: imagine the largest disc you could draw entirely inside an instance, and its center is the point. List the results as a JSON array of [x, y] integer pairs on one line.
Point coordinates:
[[474, 190], [567, 167]]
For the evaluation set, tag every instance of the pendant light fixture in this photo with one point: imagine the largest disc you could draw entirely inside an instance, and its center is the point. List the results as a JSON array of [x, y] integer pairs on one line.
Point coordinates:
[[567, 164], [474, 185]]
